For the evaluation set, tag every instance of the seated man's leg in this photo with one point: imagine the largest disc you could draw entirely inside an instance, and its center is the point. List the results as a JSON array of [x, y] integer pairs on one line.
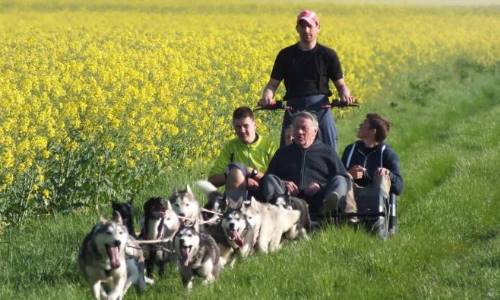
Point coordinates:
[[383, 182], [339, 194], [350, 201], [270, 187], [236, 178]]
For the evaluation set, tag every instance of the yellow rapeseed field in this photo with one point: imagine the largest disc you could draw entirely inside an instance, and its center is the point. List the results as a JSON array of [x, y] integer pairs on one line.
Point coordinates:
[[98, 97]]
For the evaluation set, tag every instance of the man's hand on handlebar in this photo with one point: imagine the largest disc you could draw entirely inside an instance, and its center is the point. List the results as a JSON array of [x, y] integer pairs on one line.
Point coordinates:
[[266, 101], [348, 99]]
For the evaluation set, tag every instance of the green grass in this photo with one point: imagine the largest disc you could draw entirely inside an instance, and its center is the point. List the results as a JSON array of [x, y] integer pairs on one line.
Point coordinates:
[[445, 129]]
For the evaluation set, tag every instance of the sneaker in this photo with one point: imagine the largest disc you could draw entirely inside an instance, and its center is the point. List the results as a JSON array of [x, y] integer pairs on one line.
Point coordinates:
[[393, 230], [315, 224], [353, 221], [330, 203]]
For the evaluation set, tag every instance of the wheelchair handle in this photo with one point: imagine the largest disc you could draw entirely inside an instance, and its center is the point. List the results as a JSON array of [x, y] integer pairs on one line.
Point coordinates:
[[280, 104]]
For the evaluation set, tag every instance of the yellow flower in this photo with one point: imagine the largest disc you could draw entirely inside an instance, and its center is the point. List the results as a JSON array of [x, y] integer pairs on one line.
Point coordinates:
[[7, 159], [131, 163]]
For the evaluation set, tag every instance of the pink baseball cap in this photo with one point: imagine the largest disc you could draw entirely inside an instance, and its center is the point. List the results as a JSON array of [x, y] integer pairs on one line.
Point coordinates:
[[309, 16]]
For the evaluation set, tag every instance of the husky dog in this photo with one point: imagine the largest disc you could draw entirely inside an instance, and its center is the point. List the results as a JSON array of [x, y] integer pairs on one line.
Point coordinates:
[[160, 222], [293, 203], [239, 236], [198, 255], [126, 210], [186, 206], [216, 202], [269, 222], [102, 260], [132, 250]]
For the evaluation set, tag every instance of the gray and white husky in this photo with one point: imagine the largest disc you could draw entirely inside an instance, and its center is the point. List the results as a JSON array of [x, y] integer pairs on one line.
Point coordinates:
[[269, 222], [187, 207], [103, 262], [294, 203], [198, 256]]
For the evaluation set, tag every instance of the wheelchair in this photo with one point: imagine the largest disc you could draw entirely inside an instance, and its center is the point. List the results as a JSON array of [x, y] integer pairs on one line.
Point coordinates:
[[376, 212]]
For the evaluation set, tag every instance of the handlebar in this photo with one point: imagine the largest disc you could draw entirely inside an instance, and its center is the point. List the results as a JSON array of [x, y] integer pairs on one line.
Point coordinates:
[[277, 105], [281, 105]]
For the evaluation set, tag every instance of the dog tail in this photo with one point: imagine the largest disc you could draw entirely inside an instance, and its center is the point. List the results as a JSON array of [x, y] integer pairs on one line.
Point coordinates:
[[206, 187]]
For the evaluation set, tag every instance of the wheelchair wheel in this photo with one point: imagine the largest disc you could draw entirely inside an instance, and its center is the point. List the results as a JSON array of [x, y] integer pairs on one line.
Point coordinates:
[[392, 215], [381, 226]]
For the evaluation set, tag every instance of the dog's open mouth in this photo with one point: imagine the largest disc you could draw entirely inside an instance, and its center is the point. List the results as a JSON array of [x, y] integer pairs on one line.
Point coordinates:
[[113, 256], [185, 250], [235, 236]]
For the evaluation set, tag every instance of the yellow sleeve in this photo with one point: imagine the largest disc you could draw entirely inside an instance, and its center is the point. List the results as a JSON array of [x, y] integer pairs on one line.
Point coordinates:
[[271, 150], [222, 161]]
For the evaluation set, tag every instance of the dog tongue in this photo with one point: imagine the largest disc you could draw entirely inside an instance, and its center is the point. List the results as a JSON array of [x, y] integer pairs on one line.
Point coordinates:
[[113, 256], [184, 256], [237, 238]]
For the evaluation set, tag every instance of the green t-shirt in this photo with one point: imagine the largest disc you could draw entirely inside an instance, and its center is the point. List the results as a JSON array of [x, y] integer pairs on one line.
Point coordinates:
[[256, 155]]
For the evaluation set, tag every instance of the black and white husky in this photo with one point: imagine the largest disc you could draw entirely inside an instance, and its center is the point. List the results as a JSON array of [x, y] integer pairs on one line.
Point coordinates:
[[160, 223], [198, 255], [126, 210], [240, 236], [103, 262], [216, 202], [212, 214]]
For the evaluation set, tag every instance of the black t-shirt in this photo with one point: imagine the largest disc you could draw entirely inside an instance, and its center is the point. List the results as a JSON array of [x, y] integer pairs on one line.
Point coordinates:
[[306, 73]]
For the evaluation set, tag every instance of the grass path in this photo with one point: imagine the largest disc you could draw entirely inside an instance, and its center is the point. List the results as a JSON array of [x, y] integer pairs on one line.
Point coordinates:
[[446, 131]]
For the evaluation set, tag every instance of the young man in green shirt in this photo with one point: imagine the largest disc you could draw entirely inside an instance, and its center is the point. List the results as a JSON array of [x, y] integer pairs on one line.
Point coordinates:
[[243, 159]]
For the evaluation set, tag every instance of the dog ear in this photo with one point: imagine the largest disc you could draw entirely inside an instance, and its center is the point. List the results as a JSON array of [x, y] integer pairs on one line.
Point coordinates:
[[117, 217], [188, 189], [169, 205], [252, 201], [247, 202]]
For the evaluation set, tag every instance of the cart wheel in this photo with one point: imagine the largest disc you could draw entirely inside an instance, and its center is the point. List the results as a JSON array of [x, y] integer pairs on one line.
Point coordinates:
[[392, 215], [381, 226]]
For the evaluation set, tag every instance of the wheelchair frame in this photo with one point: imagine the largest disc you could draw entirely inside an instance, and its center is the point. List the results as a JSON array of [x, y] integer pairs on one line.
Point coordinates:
[[376, 213]]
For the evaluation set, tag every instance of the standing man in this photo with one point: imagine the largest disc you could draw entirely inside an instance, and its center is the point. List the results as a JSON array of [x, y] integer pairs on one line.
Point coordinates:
[[244, 159], [310, 170], [306, 67]]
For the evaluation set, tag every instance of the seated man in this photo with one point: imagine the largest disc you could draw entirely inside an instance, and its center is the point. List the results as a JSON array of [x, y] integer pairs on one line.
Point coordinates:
[[244, 159], [370, 161], [288, 135], [308, 169]]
